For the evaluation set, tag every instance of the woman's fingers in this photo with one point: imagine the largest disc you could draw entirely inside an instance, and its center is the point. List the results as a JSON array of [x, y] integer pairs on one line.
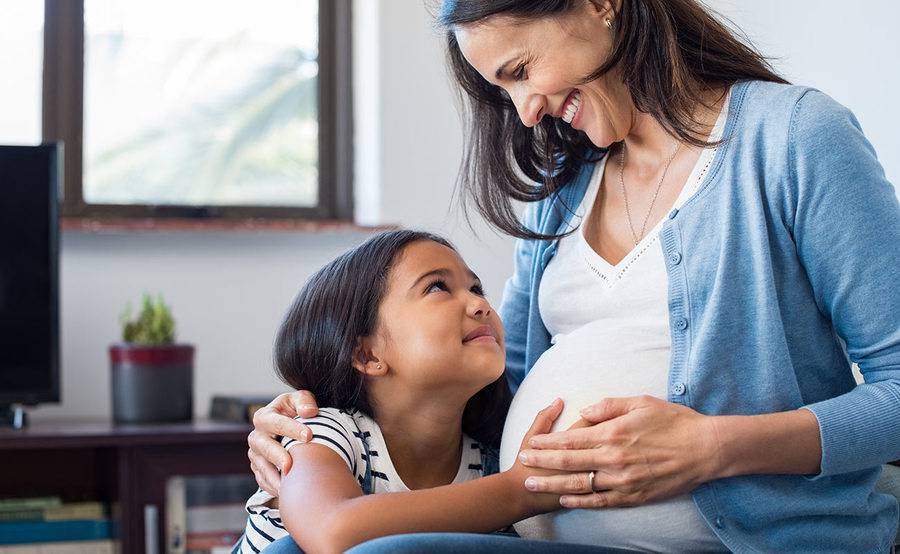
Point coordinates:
[[267, 451], [580, 482], [568, 460], [586, 437], [270, 421], [573, 483], [604, 499], [267, 478], [304, 403]]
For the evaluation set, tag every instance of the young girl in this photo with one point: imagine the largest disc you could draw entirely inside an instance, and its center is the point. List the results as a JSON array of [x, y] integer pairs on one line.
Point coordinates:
[[397, 338]]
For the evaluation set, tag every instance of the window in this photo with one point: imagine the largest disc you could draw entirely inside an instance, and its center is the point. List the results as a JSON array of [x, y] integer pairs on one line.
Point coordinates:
[[21, 32], [208, 108]]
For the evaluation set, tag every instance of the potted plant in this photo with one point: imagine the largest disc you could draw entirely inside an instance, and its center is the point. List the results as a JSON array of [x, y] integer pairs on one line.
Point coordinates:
[[152, 376]]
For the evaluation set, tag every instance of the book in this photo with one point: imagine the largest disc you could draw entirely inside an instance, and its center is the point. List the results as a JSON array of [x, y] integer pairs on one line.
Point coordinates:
[[71, 547], [34, 514], [73, 510], [212, 539], [206, 512], [176, 521], [239, 409], [21, 532], [221, 518], [76, 510], [34, 503]]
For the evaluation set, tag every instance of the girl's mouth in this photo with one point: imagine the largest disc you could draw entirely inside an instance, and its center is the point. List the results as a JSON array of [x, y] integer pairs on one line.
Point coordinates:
[[485, 333]]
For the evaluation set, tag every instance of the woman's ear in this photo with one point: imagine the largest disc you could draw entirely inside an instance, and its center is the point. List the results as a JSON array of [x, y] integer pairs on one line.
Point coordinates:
[[606, 9], [366, 361]]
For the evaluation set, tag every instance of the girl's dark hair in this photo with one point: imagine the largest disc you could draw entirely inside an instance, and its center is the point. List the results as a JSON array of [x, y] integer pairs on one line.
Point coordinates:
[[338, 305], [671, 52]]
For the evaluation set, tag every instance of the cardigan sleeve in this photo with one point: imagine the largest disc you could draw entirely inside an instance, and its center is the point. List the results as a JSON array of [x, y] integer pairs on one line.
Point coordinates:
[[846, 228]]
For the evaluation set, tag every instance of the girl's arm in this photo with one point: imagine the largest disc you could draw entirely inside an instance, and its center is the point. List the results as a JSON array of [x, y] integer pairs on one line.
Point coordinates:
[[324, 509]]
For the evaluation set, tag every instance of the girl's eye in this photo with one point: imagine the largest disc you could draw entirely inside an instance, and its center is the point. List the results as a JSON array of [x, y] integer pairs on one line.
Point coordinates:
[[437, 286], [477, 289]]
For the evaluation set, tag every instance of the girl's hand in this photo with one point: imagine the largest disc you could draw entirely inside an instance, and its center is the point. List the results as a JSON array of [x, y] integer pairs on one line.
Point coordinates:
[[640, 449], [519, 474], [277, 418]]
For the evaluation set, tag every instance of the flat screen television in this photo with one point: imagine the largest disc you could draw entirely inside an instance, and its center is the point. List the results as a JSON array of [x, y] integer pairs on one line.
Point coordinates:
[[29, 274]]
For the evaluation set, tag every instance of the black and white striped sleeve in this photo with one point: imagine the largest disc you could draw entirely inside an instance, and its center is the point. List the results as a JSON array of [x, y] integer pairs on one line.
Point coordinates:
[[333, 429]]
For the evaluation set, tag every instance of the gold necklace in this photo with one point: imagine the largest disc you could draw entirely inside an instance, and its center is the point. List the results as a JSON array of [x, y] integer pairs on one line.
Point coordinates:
[[636, 238]]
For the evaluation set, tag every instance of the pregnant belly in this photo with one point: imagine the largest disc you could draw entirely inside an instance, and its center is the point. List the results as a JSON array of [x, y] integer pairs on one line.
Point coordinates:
[[582, 375]]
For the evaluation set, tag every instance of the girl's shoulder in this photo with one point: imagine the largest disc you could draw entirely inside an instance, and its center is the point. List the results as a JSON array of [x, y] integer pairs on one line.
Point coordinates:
[[343, 431]]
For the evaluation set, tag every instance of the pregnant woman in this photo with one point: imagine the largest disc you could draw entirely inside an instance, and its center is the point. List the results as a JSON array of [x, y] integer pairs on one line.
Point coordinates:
[[704, 252]]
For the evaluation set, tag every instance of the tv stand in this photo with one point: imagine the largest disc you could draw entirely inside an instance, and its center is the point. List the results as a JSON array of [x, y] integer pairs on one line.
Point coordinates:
[[125, 466], [13, 416]]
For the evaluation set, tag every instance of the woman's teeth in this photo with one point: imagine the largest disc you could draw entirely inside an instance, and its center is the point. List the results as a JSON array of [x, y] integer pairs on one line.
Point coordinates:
[[572, 107]]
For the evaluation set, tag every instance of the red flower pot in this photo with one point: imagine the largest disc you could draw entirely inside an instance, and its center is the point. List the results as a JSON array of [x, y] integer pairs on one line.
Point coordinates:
[[152, 383]]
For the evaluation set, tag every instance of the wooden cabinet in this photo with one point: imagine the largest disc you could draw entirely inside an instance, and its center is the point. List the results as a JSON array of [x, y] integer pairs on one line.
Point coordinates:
[[126, 466]]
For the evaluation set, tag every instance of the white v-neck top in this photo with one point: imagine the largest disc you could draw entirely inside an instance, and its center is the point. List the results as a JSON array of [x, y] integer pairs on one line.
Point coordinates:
[[609, 328], [580, 287]]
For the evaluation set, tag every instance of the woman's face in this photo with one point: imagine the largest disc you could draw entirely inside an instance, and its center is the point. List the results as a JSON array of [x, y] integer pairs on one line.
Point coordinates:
[[541, 64]]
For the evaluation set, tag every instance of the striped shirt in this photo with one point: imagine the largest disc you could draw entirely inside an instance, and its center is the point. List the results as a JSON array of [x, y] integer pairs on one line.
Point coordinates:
[[357, 439]]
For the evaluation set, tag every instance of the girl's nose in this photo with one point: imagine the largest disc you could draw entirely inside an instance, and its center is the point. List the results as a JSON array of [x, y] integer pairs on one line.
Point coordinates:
[[479, 307]]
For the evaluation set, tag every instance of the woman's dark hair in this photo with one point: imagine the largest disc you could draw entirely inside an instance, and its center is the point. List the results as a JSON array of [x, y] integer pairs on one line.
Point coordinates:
[[338, 305], [671, 53]]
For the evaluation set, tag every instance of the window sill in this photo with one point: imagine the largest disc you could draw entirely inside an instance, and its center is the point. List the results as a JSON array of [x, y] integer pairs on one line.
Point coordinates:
[[182, 225]]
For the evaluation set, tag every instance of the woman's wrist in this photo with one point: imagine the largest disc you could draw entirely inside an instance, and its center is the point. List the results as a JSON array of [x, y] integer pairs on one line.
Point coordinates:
[[779, 443]]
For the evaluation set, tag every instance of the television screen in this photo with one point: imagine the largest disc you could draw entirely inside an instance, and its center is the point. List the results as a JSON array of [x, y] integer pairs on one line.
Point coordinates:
[[29, 281]]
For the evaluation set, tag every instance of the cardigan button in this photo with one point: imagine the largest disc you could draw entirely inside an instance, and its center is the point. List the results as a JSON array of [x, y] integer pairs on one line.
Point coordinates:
[[681, 324], [675, 258], [673, 213], [678, 389], [720, 522]]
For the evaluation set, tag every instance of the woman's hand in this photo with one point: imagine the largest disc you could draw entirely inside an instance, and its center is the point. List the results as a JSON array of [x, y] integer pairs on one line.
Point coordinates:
[[519, 474], [641, 449], [277, 418]]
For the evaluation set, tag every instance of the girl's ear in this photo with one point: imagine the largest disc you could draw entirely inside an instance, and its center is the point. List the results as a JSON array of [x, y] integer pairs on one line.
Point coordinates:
[[366, 361]]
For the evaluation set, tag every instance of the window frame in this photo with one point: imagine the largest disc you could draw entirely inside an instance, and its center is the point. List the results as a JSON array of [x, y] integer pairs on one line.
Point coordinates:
[[63, 120]]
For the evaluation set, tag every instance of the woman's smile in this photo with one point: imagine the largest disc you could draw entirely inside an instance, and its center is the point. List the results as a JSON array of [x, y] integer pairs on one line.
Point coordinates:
[[571, 107]]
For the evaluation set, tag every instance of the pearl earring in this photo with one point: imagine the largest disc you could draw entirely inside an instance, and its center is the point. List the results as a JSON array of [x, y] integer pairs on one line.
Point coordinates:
[[608, 23]]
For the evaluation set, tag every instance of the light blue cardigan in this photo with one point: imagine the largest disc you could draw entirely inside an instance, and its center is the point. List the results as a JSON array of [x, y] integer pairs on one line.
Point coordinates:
[[783, 268]]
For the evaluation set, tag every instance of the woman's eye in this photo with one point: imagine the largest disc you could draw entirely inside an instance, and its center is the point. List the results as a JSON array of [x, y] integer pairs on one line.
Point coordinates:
[[520, 74], [437, 286], [476, 289]]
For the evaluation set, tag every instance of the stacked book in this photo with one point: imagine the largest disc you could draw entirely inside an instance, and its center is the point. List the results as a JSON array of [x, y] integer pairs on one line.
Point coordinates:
[[46, 525], [205, 513]]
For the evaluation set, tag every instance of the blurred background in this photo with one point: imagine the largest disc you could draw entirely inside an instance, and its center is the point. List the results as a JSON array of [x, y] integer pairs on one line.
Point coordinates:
[[214, 104]]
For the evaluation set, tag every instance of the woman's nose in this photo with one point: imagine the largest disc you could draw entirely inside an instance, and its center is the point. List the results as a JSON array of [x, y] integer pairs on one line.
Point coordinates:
[[531, 107]]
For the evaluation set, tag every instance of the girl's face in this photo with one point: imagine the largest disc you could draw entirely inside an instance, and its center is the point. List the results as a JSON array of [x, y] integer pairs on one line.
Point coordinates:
[[436, 330], [541, 64]]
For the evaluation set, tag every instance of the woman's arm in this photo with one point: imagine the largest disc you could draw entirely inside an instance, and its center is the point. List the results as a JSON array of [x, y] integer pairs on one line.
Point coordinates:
[[325, 511]]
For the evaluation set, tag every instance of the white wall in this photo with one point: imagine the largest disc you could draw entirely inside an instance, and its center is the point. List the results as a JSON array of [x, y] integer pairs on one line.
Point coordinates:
[[850, 51], [229, 290]]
